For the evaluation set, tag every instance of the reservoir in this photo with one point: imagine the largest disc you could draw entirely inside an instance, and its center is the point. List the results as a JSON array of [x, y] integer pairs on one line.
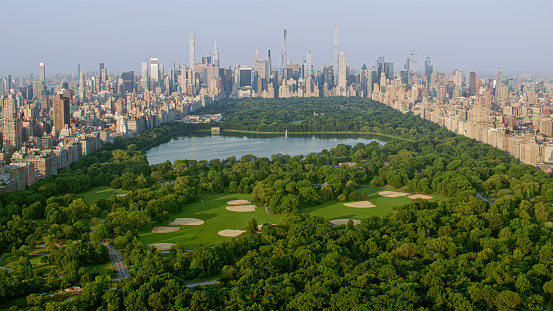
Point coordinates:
[[204, 146]]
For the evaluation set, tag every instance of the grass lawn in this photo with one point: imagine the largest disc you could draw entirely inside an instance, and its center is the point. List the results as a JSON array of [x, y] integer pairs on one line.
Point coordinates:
[[295, 122], [94, 194], [212, 211], [103, 269], [336, 210]]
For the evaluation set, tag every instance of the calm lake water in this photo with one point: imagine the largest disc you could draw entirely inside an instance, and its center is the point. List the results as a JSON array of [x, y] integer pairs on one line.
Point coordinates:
[[204, 146]]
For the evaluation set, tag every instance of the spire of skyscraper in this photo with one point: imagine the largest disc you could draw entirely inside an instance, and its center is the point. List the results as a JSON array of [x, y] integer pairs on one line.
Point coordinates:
[[336, 53], [192, 59], [499, 83], [285, 59]]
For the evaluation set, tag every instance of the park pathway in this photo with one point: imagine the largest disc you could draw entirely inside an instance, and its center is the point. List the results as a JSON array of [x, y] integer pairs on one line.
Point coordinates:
[[479, 196], [202, 283]]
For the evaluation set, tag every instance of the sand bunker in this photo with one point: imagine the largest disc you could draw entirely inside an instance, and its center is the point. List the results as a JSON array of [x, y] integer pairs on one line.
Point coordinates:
[[420, 196], [241, 208], [159, 229], [393, 194], [239, 202], [360, 204], [229, 232], [344, 221], [162, 246], [186, 222]]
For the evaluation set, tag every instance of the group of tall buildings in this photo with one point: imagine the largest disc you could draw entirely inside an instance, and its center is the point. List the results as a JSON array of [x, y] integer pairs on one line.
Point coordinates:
[[51, 122]]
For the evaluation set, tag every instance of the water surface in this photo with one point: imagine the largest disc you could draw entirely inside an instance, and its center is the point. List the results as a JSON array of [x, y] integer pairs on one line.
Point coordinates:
[[204, 146]]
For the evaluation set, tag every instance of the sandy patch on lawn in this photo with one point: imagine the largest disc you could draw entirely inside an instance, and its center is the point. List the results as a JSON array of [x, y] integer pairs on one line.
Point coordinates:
[[420, 196], [393, 194], [186, 222], [241, 208], [159, 229], [239, 202], [360, 204], [229, 232], [344, 221], [162, 246]]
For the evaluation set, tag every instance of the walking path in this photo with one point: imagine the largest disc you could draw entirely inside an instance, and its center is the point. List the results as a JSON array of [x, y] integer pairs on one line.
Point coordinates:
[[479, 196], [202, 283], [118, 263]]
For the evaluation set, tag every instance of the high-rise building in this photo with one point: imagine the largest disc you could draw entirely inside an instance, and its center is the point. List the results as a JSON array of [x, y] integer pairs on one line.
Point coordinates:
[[342, 74], [472, 83], [128, 81], [101, 74], [61, 112], [192, 44], [499, 84], [309, 70], [145, 77], [336, 53], [154, 70], [43, 72], [328, 76], [269, 66], [413, 62], [11, 125], [458, 78], [216, 56], [285, 59], [428, 69], [8, 83], [245, 76], [259, 65]]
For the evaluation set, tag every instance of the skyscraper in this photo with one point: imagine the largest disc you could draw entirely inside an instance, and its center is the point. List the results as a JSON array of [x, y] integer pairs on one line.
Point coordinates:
[[11, 125], [128, 81], [216, 56], [269, 66], [413, 62], [43, 72], [145, 77], [458, 78], [61, 112], [499, 83], [154, 70], [285, 59], [428, 69], [472, 83], [309, 70], [342, 75], [336, 54], [101, 74], [259, 65], [245, 76], [192, 43]]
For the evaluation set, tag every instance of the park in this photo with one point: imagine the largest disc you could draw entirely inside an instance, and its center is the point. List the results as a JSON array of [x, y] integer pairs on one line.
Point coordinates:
[[213, 210]]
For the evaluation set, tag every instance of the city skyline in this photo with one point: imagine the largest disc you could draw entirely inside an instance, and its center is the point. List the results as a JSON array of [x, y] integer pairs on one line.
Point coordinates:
[[481, 40]]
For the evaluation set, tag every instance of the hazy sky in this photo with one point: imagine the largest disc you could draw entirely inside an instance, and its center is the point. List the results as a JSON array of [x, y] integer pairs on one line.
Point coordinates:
[[471, 35]]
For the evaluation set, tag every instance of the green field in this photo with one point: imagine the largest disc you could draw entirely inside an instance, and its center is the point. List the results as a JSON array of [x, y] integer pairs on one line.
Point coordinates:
[[94, 194], [212, 211], [336, 210], [295, 122], [103, 269]]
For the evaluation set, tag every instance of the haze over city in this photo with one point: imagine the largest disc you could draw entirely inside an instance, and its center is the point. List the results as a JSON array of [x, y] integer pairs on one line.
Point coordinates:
[[469, 35]]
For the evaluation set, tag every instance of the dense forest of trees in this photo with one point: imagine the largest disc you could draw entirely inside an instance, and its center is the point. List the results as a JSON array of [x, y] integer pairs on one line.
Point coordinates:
[[461, 253], [338, 114]]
